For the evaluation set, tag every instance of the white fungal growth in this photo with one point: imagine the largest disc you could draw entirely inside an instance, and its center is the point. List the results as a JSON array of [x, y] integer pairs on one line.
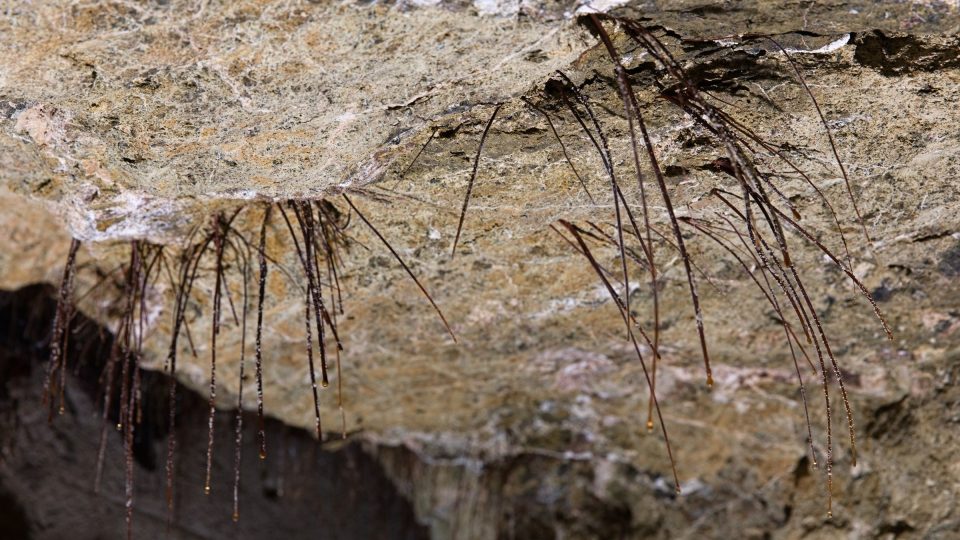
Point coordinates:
[[826, 49], [598, 6]]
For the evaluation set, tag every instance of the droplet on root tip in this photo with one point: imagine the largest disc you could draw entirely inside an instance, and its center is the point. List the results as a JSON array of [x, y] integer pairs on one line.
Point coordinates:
[[206, 490], [649, 426]]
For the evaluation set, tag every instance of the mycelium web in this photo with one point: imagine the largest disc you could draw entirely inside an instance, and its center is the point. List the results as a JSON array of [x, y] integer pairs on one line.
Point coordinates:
[[748, 225]]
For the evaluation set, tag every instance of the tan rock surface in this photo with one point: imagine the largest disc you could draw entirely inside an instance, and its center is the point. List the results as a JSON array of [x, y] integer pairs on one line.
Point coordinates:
[[137, 121]]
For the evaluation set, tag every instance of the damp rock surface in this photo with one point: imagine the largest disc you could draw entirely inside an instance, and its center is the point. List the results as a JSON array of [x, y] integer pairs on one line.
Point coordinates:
[[127, 121]]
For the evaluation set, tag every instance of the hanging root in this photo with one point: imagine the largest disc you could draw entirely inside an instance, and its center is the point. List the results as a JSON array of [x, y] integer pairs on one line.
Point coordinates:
[[404, 265], [631, 323], [219, 253], [61, 332], [473, 177], [262, 281], [759, 225]]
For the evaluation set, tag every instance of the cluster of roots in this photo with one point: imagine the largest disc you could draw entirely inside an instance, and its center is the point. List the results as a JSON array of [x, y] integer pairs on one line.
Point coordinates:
[[756, 225], [752, 226], [318, 231]]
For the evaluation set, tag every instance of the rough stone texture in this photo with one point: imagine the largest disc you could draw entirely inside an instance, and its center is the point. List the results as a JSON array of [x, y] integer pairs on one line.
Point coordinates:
[[137, 115], [136, 121]]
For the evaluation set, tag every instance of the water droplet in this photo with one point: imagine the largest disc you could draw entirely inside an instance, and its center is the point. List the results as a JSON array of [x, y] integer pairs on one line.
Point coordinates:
[[236, 517], [206, 490], [710, 380], [649, 426], [263, 454]]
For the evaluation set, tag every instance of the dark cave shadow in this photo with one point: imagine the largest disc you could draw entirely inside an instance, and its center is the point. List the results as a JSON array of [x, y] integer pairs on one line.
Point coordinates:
[[300, 490]]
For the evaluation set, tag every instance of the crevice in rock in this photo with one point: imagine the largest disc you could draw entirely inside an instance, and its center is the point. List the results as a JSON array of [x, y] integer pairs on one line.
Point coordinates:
[[897, 54]]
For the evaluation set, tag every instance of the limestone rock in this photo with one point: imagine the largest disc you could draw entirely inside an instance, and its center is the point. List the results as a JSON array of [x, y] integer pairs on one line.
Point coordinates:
[[129, 121]]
